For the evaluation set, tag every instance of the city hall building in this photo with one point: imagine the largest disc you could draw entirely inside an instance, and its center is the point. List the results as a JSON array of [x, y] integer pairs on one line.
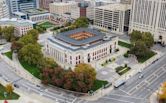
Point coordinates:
[[81, 45]]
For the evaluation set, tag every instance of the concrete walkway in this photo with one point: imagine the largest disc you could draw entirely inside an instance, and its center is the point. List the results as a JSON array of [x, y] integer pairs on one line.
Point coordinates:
[[21, 69]]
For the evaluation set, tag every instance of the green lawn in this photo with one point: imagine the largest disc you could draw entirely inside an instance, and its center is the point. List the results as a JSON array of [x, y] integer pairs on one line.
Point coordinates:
[[148, 56], [13, 96], [46, 25], [124, 44], [31, 69], [9, 54], [98, 84], [122, 70]]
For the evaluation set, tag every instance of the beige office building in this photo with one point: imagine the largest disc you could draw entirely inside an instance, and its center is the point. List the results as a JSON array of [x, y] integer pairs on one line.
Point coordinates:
[[61, 7], [113, 17]]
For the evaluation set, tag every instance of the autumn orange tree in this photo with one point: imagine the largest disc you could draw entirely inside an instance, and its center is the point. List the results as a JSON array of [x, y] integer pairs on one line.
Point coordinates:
[[80, 80], [9, 88], [162, 93]]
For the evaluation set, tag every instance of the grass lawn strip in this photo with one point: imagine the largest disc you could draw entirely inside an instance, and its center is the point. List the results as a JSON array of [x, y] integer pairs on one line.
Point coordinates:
[[98, 84], [13, 96], [31, 69], [9, 54], [124, 44]]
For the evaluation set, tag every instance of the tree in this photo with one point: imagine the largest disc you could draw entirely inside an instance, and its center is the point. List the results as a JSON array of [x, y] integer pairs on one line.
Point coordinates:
[[34, 34], [50, 63], [86, 69], [32, 54], [26, 39], [135, 36], [81, 22], [8, 33], [145, 37], [85, 75], [139, 50], [162, 93], [148, 39], [9, 88], [16, 45]]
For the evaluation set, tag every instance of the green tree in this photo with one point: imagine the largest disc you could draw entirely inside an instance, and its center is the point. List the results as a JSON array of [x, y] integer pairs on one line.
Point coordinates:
[[140, 49], [34, 33], [26, 39], [50, 63], [81, 22], [135, 36], [8, 33], [32, 54], [16, 45], [148, 39]]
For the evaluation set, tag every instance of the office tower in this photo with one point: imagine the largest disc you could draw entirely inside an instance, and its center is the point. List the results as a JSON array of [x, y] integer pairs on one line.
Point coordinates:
[[113, 17], [21, 5], [149, 16], [4, 10]]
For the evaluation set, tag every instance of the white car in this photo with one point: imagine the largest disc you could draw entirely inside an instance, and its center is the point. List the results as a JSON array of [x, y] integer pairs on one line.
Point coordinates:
[[141, 76]]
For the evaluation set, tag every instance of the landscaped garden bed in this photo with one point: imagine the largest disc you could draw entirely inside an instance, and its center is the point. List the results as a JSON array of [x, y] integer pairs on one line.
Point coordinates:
[[122, 70], [12, 96]]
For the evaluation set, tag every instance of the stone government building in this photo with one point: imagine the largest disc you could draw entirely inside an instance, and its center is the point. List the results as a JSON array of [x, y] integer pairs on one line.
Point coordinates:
[[82, 45]]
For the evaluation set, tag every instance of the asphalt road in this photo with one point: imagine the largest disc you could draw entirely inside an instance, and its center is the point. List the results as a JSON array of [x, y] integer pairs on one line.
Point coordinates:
[[137, 90], [26, 86]]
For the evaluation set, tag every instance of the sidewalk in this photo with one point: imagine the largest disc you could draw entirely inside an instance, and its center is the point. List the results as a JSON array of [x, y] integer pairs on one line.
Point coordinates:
[[25, 74], [98, 94]]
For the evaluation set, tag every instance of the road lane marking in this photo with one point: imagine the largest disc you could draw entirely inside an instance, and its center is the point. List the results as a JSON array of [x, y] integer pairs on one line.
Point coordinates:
[[123, 101]]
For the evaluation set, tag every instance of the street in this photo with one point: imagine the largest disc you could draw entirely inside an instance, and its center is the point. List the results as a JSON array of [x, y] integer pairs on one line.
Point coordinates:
[[137, 90], [26, 86]]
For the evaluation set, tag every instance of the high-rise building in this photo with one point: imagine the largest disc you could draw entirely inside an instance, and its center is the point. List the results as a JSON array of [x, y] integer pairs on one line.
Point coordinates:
[[21, 5], [4, 10], [113, 17], [61, 8], [149, 16]]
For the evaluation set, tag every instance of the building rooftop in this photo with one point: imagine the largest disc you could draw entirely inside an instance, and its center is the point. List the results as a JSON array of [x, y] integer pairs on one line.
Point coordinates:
[[31, 12], [81, 38], [115, 7], [19, 13], [15, 22], [63, 3]]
